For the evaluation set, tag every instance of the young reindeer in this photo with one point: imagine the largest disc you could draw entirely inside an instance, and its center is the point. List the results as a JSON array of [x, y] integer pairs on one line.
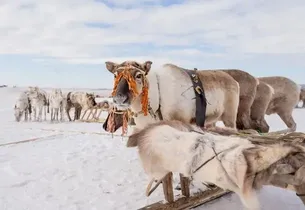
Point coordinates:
[[22, 106], [166, 93], [56, 104], [79, 100], [39, 101]]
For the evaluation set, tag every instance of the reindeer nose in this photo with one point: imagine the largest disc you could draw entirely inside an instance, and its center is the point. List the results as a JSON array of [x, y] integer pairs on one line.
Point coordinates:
[[119, 98]]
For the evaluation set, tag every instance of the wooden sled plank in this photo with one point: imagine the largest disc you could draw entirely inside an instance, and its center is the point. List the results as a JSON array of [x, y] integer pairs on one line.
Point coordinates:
[[188, 202], [185, 185], [168, 189]]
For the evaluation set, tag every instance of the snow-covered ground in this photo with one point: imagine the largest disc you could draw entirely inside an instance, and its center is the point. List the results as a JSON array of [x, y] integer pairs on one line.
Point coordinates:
[[77, 166]]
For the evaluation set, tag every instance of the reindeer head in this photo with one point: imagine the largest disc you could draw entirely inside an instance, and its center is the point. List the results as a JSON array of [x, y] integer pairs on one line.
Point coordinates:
[[130, 81], [90, 98]]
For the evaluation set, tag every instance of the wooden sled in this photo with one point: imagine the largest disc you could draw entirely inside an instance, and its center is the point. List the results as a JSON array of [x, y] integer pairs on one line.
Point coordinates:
[[95, 112], [93, 115], [290, 175]]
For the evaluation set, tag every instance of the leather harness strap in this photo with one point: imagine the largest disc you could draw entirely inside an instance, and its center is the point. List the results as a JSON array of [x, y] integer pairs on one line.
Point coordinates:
[[201, 102]]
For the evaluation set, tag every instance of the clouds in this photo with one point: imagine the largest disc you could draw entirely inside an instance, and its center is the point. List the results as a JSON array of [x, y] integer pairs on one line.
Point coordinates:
[[222, 33], [89, 29]]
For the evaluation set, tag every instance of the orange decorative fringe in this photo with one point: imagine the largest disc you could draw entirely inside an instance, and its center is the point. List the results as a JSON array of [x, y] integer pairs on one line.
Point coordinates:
[[144, 99], [130, 80], [133, 88]]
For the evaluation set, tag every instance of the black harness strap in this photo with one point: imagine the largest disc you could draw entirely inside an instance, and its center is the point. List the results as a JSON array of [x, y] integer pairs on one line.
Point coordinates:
[[201, 103]]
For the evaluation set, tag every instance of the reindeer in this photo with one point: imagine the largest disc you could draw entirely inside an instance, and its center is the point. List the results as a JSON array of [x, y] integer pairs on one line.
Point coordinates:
[[22, 106], [79, 100], [263, 96], [39, 101], [248, 86], [170, 94], [286, 96], [231, 163], [56, 104]]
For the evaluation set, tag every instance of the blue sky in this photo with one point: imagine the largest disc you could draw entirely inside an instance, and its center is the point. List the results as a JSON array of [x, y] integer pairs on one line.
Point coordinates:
[[66, 43]]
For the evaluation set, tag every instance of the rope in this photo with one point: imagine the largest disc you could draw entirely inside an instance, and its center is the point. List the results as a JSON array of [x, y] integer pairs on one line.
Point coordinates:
[[80, 132], [29, 140]]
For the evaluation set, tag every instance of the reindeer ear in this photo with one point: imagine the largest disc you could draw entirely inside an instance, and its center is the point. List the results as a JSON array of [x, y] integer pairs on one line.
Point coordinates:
[[110, 66], [146, 66]]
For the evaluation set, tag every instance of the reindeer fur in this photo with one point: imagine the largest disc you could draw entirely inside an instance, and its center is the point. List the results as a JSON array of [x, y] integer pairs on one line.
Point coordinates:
[[248, 86], [39, 102], [259, 107], [22, 106], [176, 97], [286, 96], [79, 100], [240, 166], [55, 102]]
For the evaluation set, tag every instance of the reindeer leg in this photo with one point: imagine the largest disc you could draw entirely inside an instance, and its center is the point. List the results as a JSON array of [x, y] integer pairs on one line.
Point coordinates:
[[45, 113], [40, 113], [26, 115], [61, 114], [57, 109], [288, 120], [80, 112], [30, 113], [35, 112], [52, 117], [75, 113], [68, 113]]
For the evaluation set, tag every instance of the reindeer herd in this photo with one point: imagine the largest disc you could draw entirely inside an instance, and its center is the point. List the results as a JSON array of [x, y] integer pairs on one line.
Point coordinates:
[[35, 101], [235, 97]]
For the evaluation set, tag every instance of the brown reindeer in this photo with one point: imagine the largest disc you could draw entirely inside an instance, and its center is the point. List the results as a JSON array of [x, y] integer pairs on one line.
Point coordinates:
[[248, 85], [79, 100], [171, 95], [286, 96], [259, 107]]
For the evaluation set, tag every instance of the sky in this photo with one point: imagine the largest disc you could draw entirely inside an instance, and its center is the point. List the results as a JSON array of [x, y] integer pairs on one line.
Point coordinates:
[[65, 43]]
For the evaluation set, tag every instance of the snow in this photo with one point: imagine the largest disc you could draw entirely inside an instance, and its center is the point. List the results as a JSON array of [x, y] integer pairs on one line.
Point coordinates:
[[77, 165]]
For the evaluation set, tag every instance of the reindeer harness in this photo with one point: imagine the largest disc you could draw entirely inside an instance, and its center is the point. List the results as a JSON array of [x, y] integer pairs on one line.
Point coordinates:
[[201, 103]]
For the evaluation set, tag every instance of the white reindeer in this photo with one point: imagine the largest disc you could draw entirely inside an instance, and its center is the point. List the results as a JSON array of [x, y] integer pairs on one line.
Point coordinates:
[[38, 100], [22, 106], [56, 102], [231, 163]]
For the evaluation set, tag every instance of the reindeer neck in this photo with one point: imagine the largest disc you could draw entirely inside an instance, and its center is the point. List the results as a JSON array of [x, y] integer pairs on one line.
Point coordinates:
[[154, 101]]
